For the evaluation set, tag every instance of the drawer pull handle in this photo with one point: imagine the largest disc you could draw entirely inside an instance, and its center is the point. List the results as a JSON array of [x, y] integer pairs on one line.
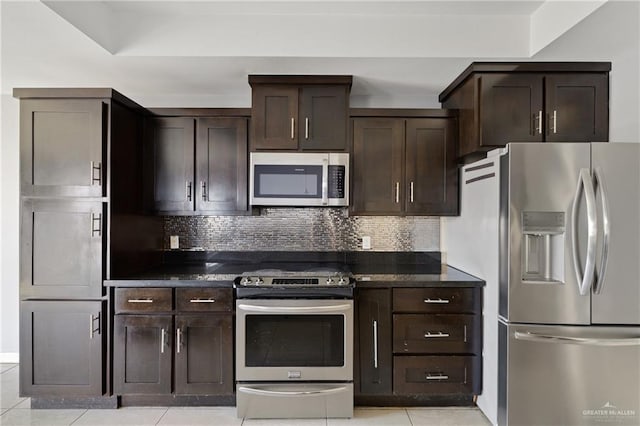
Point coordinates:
[[202, 300], [438, 377], [430, 335], [140, 301], [436, 301]]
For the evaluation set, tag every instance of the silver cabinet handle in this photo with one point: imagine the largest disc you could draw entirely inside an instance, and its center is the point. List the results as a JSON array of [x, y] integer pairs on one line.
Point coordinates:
[[606, 231], [549, 338], [203, 186], [584, 281], [411, 191], [555, 121], [438, 301], [397, 192], [437, 377], [292, 128], [178, 339], [96, 224], [93, 330], [306, 128], [188, 185], [140, 300], [430, 335], [163, 339], [96, 167], [538, 119], [202, 300], [375, 344]]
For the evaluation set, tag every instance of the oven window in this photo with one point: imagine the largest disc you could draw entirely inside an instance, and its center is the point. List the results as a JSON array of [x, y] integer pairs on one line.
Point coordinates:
[[294, 341], [288, 181]]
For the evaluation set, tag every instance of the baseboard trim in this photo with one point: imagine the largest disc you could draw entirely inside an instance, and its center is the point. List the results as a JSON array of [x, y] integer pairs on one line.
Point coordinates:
[[9, 357]]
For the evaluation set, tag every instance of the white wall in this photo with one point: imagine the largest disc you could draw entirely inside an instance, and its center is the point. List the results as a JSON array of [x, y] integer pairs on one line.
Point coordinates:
[[612, 33]]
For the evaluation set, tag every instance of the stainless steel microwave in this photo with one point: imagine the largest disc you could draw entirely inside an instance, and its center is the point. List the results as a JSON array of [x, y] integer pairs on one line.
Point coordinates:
[[299, 179]]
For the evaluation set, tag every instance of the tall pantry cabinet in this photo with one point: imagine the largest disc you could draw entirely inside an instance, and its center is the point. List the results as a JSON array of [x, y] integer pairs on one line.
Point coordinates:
[[81, 193]]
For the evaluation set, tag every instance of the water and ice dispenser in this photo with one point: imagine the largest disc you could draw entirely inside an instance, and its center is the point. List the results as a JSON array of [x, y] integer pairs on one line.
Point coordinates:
[[543, 247]]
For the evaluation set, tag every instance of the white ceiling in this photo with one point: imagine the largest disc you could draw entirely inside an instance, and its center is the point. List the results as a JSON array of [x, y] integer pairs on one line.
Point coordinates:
[[199, 53]]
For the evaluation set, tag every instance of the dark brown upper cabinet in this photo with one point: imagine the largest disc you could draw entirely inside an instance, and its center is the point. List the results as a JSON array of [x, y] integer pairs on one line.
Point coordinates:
[[507, 102], [404, 165], [300, 112], [61, 147], [199, 165]]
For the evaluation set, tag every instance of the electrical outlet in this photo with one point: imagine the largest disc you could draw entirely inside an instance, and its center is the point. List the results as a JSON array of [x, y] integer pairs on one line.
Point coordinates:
[[366, 243], [174, 242]]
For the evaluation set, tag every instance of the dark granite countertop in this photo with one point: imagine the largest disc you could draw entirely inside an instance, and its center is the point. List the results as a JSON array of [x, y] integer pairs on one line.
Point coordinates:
[[371, 269]]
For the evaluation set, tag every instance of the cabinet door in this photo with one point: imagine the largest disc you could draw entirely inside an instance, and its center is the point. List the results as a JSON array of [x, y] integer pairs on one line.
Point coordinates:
[[374, 342], [62, 348], [62, 147], [323, 118], [431, 167], [274, 117], [62, 248], [577, 107], [511, 109], [221, 164], [204, 354], [142, 349], [172, 159], [378, 158]]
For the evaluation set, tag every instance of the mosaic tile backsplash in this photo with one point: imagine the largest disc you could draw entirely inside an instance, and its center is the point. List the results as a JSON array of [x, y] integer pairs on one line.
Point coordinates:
[[303, 229]]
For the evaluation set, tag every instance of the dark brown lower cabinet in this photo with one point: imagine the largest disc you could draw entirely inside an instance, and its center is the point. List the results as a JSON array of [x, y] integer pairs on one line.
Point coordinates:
[[204, 354], [374, 342], [201, 347], [436, 375], [143, 348], [420, 345], [62, 348]]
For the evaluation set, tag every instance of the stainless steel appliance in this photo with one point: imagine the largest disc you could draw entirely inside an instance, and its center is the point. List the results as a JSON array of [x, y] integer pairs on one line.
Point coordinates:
[[294, 344], [299, 179], [564, 270]]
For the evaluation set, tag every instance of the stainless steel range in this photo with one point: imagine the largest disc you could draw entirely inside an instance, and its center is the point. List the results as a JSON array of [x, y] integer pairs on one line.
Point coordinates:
[[294, 343]]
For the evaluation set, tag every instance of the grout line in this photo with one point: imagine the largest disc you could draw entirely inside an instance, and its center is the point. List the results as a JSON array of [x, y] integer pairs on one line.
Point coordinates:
[[78, 418], [162, 416], [408, 416]]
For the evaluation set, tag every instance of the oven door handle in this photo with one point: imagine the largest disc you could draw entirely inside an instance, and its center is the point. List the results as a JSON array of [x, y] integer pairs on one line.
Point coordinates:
[[296, 309], [256, 391]]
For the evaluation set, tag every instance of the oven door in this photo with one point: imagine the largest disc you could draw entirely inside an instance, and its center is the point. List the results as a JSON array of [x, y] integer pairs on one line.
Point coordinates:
[[294, 340]]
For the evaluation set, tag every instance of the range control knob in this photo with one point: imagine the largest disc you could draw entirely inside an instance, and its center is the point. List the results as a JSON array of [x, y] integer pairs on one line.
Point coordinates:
[[259, 281], [245, 281], [342, 280], [329, 280]]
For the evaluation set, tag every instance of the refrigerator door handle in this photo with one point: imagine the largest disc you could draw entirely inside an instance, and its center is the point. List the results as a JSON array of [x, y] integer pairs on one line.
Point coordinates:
[[591, 341], [584, 280], [606, 230]]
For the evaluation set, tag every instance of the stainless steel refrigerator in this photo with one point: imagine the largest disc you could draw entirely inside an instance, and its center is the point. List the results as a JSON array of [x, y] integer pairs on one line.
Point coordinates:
[[568, 283]]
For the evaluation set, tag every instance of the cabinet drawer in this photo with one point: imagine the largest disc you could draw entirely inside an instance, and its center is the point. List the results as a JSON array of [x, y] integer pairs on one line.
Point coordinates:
[[436, 374], [143, 300], [425, 334], [437, 300], [204, 299]]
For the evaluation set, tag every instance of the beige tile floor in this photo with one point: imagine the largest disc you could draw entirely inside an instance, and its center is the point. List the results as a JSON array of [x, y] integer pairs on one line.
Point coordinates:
[[17, 411]]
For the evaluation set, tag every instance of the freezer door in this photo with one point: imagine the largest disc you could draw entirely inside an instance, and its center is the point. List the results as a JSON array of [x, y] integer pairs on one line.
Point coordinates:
[[557, 375], [616, 293], [538, 281]]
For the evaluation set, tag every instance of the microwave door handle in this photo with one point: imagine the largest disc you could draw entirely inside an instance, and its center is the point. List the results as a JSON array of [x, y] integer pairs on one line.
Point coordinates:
[[325, 181]]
